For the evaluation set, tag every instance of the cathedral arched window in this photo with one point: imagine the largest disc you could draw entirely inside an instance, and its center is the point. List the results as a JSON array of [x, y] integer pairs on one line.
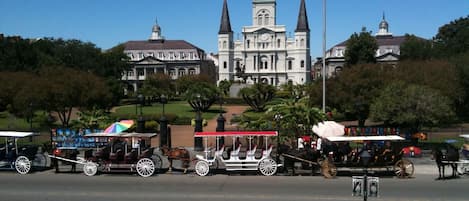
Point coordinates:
[[290, 65], [224, 65], [224, 44], [266, 16], [302, 42], [302, 63], [259, 20], [248, 43], [278, 43]]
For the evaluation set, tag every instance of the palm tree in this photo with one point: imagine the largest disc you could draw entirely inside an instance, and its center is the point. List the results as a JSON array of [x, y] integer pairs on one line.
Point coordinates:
[[258, 95], [297, 118]]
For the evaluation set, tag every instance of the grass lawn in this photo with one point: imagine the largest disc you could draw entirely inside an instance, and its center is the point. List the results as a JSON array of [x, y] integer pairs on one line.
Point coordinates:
[[10, 122], [179, 108]]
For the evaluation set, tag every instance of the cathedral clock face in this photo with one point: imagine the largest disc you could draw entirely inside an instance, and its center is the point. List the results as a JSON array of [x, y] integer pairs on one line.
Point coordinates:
[[265, 36]]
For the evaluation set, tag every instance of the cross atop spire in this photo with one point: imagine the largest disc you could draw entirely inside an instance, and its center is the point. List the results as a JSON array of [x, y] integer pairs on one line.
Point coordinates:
[[303, 25], [225, 25]]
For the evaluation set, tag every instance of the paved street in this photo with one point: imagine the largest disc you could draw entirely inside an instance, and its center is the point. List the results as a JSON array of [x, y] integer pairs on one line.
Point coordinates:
[[47, 185]]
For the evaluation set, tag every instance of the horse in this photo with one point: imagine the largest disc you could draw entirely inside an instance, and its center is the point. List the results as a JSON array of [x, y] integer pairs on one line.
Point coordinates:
[[301, 155], [446, 153], [178, 153]]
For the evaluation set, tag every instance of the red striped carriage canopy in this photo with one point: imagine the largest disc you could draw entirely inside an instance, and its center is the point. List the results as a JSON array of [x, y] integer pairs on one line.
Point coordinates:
[[236, 133]]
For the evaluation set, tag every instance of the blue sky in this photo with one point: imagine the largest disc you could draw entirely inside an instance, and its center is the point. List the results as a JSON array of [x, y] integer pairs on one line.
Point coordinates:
[[107, 23]]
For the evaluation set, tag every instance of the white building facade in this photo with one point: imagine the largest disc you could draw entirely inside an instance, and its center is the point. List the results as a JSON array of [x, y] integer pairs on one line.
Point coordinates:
[[265, 53], [388, 51], [176, 58]]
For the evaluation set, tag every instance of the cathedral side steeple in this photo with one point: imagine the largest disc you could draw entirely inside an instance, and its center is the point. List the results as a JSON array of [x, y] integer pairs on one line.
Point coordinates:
[[302, 25], [225, 24]]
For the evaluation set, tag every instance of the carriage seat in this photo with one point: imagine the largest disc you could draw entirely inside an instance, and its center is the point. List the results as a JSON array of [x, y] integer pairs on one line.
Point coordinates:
[[235, 153], [266, 152], [117, 157], [250, 154], [220, 151], [147, 153], [131, 157]]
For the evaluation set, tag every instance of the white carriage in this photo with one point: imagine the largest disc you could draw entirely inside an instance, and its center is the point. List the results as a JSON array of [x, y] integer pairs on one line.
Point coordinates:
[[254, 158]]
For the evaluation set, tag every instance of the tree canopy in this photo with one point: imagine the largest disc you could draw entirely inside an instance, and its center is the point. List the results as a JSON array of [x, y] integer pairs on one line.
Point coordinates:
[[258, 95], [361, 48], [453, 38], [413, 106]]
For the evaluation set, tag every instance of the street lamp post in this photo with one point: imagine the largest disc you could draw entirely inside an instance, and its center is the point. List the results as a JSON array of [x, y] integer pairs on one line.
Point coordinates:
[[365, 156], [140, 121], [198, 143], [324, 57], [221, 121], [164, 124], [277, 118]]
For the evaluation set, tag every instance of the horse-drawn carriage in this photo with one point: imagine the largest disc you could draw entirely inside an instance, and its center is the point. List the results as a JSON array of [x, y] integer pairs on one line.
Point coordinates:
[[125, 152], [20, 158], [253, 158], [381, 149], [337, 153]]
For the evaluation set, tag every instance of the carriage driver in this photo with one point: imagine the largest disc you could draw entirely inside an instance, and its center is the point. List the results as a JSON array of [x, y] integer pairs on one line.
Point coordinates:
[[465, 150]]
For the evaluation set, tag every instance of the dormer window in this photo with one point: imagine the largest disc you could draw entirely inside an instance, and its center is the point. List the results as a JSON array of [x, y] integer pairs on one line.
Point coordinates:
[[140, 55]]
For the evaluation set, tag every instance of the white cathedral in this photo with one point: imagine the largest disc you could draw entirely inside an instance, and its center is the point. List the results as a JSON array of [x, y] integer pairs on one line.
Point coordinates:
[[264, 53]]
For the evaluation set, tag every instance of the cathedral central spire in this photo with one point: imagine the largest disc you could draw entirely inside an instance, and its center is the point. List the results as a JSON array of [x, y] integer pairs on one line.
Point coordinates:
[[225, 25], [303, 25]]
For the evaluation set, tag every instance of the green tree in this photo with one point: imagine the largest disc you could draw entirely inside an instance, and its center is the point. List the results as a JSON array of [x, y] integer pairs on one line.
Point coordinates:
[[224, 87], [453, 38], [185, 82], [297, 117], [412, 106], [361, 48], [258, 95], [63, 89], [158, 84], [93, 118], [461, 63], [354, 89], [416, 48], [201, 95], [439, 75]]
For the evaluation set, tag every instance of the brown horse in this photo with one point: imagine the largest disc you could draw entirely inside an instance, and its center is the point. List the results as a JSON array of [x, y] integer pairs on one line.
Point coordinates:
[[177, 154]]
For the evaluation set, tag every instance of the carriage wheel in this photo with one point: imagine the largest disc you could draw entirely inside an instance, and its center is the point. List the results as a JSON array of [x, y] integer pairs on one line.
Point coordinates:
[[328, 169], [22, 165], [404, 168], [90, 168], [268, 167], [202, 168], [145, 167]]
